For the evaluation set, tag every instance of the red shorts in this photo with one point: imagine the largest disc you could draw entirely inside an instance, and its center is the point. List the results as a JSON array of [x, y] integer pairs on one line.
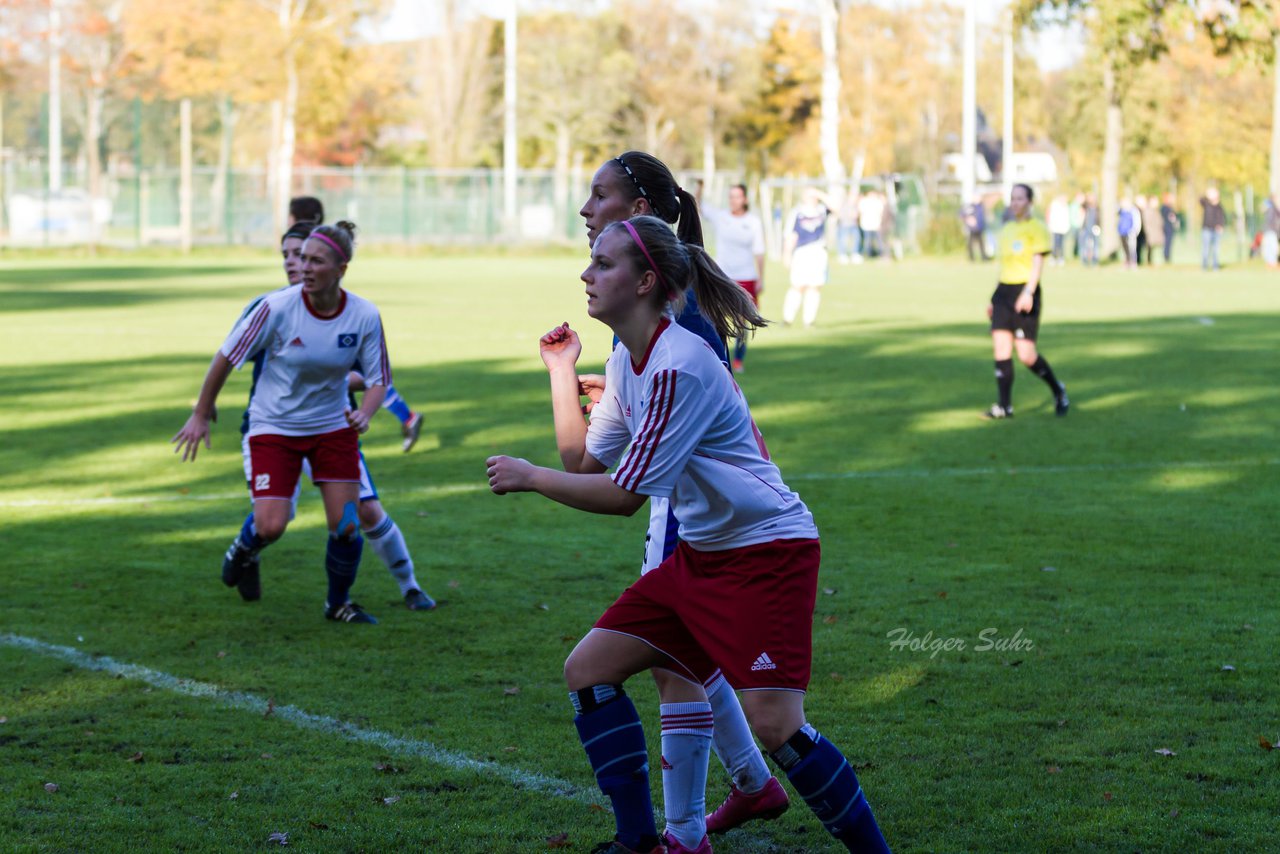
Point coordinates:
[[752, 287], [276, 461], [747, 611]]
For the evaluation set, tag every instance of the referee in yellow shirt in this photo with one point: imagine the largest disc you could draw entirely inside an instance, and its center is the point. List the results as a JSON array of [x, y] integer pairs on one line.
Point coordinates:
[[1015, 306]]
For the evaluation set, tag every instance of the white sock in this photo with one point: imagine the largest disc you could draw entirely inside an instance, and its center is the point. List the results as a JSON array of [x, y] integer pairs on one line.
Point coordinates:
[[791, 305], [732, 739], [812, 297], [388, 543], [686, 747]]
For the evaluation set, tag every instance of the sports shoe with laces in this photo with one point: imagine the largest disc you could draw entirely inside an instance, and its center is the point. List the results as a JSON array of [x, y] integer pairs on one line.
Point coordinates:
[[1060, 403], [250, 585], [675, 846], [740, 808], [613, 846], [997, 411], [235, 562], [412, 429], [348, 613], [419, 601]]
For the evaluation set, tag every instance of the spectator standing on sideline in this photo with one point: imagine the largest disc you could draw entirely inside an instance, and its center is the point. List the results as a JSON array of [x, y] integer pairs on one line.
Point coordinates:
[[1059, 216], [871, 220], [1271, 233], [975, 226], [1151, 227], [1077, 223], [1090, 233], [848, 237], [1140, 235], [1127, 224], [1212, 220], [1169, 223]]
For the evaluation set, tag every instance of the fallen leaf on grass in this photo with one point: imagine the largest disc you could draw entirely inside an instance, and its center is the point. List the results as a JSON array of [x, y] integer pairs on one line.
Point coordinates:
[[271, 707], [422, 514], [279, 838], [1048, 569], [51, 787], [1173, 813], [1264, 744], [394, 799], [512, 691], [942, 594], [385, 768], [596, 807], [222, 653], [137, 757], [510, 749], [233, 796], [3, 719], [543, 606], [831, 619], [568, 638], [453, 583], [1053, 769], [318, 825], [1228, 667], [836, 677], [560, 840], [267, 756], [1106, 796], [830, 591], [1164, 751]]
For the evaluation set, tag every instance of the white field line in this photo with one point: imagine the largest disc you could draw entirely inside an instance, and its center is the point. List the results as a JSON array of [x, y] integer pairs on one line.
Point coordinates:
[[334, 726], [303, 719], [886, 474]]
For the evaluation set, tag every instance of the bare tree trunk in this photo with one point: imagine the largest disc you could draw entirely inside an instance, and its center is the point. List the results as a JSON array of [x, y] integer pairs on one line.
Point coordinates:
[[94, 105], [218, 190], [1275, 121], [709, 152], [832, 167], [1108, 200], [560, 181], [289, 15], [184, 171]]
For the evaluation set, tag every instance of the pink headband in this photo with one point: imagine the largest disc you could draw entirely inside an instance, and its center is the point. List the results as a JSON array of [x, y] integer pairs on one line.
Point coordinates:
[[338, 248], [636, 237]]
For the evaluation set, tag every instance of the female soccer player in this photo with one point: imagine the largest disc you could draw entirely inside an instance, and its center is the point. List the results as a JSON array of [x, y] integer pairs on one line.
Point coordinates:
[[1015, 306], [738, 594], [312, 337], [638, 183], [804, 251], [241, 566], [739, 252]]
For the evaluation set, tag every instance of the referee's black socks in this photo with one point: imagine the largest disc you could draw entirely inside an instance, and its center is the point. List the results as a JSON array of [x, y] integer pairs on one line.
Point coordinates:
[[1043, 371], [1004, 382]]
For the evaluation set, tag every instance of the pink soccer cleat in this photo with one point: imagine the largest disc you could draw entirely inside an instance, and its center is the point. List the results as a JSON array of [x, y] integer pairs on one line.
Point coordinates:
[[675, 846], [740, 808]]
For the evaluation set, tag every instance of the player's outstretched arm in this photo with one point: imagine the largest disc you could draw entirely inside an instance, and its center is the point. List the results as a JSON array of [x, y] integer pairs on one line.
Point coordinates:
[[197, 427], [594, 493]]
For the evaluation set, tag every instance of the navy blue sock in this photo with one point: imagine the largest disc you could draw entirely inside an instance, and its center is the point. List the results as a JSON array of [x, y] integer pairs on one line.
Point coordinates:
[[395, 404], [611, 733], [825, 779], [341, 560], [249, 537]]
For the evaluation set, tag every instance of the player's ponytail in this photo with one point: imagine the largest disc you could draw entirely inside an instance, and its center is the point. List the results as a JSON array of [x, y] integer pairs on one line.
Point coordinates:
[[721, 300]]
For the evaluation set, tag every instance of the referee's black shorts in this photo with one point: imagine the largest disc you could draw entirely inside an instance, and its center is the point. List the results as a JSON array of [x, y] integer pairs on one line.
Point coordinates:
[[1005, 316]]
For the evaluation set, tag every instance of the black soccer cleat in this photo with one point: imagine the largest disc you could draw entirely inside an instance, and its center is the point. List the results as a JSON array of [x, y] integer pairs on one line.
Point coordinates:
[[1061, 406], [235, 562], [348, 613], [416, 600], [250, 585], [997, 411]]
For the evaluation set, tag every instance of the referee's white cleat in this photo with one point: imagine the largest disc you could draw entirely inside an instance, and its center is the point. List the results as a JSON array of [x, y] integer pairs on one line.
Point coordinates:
[[997, 411]]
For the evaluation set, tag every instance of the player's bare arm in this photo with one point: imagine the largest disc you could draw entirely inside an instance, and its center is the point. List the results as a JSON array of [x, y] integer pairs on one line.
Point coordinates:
[[359, 418], [594, 493], [560, 349], [197, 427]]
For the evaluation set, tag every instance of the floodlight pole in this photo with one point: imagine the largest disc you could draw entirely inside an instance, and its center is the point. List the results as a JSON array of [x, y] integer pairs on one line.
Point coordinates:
[[509, 142], [1006, 156], [969, 118], [55, 97]]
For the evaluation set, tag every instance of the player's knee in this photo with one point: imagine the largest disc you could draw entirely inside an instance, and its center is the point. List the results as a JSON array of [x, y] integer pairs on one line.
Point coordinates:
[[270, 529], [773, 723], [370, 513]]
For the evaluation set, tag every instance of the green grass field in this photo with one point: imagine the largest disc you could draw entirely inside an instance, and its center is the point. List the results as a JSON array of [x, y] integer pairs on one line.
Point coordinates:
[[1133, 544]]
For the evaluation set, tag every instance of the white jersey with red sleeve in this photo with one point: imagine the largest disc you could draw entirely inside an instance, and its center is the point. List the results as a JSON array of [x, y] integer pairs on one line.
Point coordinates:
[[676, 425], [302, 390]]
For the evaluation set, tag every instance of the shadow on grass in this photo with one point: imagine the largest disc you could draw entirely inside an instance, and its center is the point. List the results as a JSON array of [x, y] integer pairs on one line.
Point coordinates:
[[57, 289]]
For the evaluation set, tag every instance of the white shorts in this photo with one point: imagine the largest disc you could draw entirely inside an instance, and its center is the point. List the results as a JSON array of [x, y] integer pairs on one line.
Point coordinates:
[[809, 266], [368, 492]]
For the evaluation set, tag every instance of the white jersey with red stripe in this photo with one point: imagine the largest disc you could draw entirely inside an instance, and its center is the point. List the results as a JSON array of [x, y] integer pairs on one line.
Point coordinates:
[[676, 424], [302, 390]]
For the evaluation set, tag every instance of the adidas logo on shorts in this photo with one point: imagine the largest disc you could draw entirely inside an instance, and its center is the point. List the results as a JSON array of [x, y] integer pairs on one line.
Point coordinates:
[[764, 662]]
